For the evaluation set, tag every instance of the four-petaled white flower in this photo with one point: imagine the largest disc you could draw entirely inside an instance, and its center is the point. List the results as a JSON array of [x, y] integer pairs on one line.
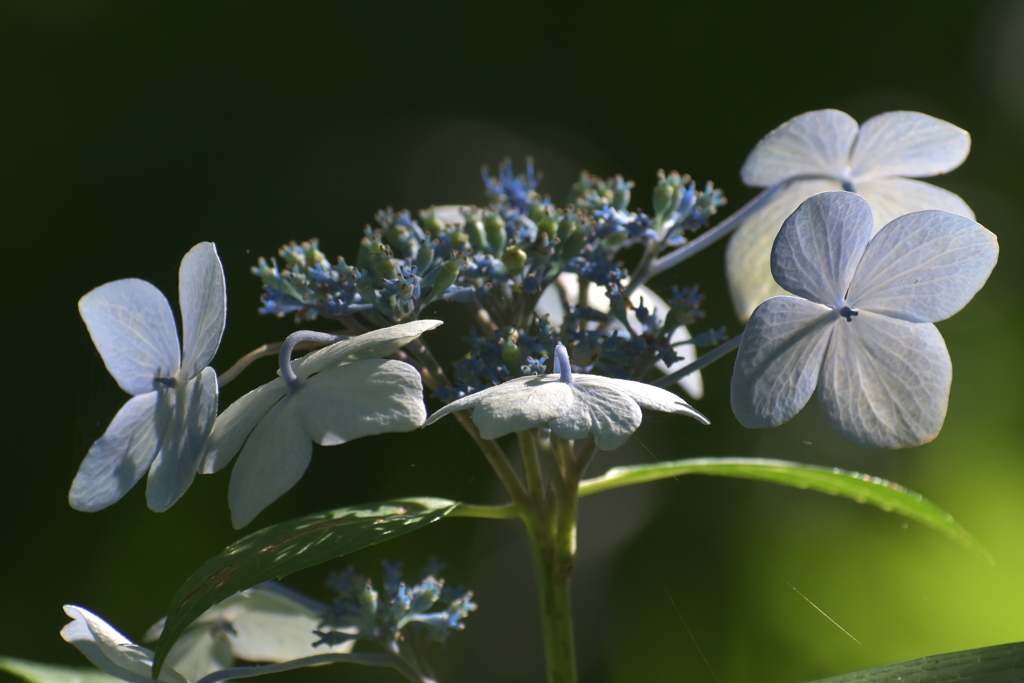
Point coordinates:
[[862, 332], [825, 150], [572, 405], [162, 428], [338, 393]]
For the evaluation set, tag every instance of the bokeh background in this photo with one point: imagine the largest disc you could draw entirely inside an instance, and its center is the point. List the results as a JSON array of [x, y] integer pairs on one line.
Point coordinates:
[[131, 131]]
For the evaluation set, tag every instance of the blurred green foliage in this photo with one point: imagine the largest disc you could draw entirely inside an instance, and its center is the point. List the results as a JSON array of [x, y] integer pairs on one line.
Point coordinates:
[[129, 132]]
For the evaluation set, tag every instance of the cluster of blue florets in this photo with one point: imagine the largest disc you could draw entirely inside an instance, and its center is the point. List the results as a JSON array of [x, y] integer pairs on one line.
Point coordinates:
[[499, 259], [418, 613]]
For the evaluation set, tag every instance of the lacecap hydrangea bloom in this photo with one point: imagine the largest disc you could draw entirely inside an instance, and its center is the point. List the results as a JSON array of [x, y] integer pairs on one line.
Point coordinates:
[[333, 395], [826, 150], [860, 328], [162, 428], [572, 405]]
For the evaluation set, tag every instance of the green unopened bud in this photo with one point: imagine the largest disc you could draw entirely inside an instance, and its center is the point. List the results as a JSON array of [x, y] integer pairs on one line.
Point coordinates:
[[622, 194], [494, 227], [383, 265], [538, 212], [475, 231], [575, 242], [431, 223], [445, 278], [514, 259], [510, 352], [548, 226], [615, 240], [424, 257], [567, 225]]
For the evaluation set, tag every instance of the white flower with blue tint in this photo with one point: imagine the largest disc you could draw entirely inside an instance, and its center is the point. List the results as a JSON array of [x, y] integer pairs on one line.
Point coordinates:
[[333, 395], [162, 428], [110, 651], [860, 328], [571, 405], [826, 150], [550, 304]]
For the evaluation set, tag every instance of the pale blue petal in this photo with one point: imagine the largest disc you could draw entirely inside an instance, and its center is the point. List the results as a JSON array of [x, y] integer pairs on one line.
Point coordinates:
[[908, 143], [119, 458], [201, 294], [105, 647], [816, 143], [200, 651], [359, 399], [647, 396], [924, 267], [270, 626], [885, 382], [513, 406], [891, 198], [175, 466], [132, 326], [820, 245], [274, 458], [600, 410], [373, 344], [748, 256], [233, 426], [779, 360]]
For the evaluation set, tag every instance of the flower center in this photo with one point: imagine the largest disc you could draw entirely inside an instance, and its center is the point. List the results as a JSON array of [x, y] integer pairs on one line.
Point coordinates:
[[562, 365], [168, 382], [847, 313]]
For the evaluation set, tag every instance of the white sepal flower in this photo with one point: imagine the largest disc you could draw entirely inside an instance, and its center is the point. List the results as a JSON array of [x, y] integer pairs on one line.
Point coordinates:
[[342, 392], [571, 405], [862, 333], [550, 304], [110, 651], [267, 623], [826, 150], [163, 427]]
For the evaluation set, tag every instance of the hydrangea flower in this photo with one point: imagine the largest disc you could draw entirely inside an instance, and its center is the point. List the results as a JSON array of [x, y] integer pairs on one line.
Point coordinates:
[[162, 428], [572, 405], [860, 328], [550, 304], [824, 151], [330, 396], [267, 623]]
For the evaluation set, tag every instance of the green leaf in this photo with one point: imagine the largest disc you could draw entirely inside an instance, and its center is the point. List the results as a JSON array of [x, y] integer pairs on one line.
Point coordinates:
[[996, 664], [862, 488], [34, 672], [287, 547]]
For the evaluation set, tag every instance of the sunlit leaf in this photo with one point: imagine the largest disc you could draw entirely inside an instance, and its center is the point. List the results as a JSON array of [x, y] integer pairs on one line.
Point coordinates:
[[281, 549], [996, 664], [862, 488]]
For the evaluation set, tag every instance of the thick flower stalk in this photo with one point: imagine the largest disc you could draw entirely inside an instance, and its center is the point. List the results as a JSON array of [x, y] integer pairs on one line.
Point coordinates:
[[860, 329], [826, 150], [163, 427]]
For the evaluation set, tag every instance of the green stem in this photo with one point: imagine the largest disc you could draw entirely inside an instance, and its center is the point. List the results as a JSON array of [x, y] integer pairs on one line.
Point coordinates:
[[510, 511], [531, 465], [552, 532]]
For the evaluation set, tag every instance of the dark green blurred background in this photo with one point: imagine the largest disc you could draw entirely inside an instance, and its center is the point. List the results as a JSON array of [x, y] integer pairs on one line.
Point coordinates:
[[129, 132]]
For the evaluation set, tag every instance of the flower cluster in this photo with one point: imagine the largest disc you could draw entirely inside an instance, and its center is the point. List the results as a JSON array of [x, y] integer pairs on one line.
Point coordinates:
[[410, 615], [502, 260]]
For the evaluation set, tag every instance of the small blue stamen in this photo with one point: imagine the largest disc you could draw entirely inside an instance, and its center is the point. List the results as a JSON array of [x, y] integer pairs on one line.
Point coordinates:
[[562, 365], [847, 313], [848, 186], [168, 382]]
